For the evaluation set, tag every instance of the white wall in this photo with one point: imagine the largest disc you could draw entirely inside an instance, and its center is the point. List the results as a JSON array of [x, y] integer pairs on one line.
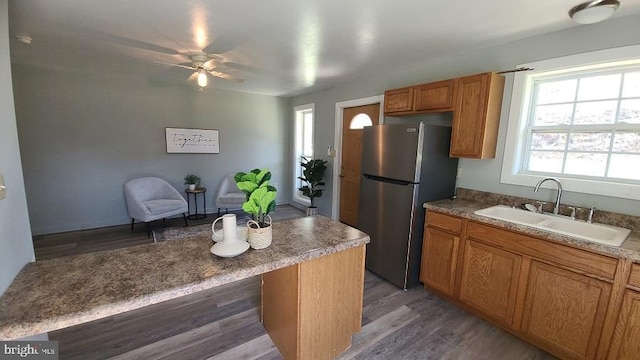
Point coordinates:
[[484, 174], [83, 135], [15, 236]]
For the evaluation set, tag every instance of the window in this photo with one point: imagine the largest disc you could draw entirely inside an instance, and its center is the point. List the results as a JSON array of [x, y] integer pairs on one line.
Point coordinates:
[[360, 121], [303, 146], [578, 119]]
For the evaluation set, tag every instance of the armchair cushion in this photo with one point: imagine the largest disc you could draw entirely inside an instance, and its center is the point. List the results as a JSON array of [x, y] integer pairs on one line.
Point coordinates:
[[163, 205], [152, 198]]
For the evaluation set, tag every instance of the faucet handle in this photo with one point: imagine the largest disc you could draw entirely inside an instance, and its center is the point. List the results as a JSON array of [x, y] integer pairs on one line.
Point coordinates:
[[592, 210], [573, 211], [540, 205]]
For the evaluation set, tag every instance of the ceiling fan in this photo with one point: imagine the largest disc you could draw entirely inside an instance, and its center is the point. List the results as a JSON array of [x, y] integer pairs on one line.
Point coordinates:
[[201, 65]]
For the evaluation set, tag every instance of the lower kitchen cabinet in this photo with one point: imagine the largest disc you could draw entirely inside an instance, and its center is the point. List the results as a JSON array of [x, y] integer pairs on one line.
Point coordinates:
[[565, 310], [441, 249], [570, 302], [626, 338], [489, 280]]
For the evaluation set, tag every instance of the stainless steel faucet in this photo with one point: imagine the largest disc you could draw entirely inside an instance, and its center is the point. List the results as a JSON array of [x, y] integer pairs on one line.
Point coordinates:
[[557, 207]]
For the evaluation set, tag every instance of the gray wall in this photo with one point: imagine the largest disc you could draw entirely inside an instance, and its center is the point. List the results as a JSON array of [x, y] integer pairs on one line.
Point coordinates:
[[15, 236], [484, 174], [83, 135]]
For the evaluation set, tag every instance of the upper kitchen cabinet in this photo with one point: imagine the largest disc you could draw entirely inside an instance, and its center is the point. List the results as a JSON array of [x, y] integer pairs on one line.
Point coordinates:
[[476, 116], [398, 101], [431, 97], [475, 100], [437, 96]]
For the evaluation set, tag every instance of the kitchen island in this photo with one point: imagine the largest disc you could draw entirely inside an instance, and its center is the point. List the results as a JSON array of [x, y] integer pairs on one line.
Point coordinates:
[[312, 284]]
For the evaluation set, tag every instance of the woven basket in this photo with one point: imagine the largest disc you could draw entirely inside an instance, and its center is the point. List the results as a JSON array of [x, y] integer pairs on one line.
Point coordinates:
[[259, 238]]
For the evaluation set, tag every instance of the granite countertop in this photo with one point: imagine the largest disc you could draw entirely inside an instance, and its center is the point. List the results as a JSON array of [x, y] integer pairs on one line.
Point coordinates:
[[53, 294], [465, 209]]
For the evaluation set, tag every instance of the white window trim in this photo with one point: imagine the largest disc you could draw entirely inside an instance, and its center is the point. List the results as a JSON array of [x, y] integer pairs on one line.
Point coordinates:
[[520, 98], [296, 195]]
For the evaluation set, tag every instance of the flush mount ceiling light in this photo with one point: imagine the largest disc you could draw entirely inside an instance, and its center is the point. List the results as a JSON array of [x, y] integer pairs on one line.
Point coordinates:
[[593, 11]]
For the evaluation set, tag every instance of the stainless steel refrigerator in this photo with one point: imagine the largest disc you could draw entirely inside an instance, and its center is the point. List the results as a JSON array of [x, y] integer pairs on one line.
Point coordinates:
[[403, 166]]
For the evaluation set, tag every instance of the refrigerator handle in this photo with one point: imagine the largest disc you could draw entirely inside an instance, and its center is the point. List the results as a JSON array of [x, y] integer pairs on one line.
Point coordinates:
[[387, 180]]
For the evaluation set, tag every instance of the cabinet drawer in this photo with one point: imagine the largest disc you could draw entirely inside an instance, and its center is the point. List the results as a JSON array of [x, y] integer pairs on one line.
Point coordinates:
[[585, 261], [444, 222], [634, 278]]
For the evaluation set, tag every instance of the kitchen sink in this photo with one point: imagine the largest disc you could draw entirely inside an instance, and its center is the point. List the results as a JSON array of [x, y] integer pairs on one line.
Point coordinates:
[[507, 213], [600, 233]]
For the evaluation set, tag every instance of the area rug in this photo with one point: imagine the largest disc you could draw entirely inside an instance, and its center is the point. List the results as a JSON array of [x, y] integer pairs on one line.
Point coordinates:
[[179, 232]]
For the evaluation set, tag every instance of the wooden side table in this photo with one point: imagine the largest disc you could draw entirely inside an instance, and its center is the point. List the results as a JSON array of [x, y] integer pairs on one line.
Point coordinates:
[[195, 193]]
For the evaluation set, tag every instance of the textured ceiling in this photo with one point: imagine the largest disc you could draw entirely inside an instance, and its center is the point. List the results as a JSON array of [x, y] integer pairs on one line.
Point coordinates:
[[278, 47]]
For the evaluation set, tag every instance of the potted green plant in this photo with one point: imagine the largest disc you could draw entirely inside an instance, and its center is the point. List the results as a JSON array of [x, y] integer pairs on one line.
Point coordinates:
[[261, 200], [312, 175], [193, 181]]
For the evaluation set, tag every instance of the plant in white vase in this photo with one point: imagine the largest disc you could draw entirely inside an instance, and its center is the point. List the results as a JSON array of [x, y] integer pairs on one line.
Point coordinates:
[[193, 181], [261, 200]]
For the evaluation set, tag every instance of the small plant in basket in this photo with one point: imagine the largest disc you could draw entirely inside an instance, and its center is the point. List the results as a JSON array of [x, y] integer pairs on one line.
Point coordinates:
[[261, 197]]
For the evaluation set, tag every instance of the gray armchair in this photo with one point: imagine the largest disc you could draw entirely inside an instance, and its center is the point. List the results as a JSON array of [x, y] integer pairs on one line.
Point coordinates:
[[229, 196], [151, 198]]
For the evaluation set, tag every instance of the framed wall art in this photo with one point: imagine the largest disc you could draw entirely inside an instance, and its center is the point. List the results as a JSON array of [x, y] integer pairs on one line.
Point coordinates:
[[192, 141]]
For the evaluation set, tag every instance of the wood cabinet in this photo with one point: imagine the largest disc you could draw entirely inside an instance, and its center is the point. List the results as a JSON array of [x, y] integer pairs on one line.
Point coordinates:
[[436, 96], [312, 309], [398, 101], [490, 280], [476, 116], [565, 300], [475, 100], [440, 252], [626, 344], [432, 97], [565, 310]]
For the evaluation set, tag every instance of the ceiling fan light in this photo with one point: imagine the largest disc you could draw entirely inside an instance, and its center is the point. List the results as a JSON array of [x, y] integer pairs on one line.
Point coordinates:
[[593, 11], [202, 78]]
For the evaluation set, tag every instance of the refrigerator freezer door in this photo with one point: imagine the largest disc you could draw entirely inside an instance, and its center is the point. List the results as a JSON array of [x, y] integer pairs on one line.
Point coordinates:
[[385, 214], [391, 151]]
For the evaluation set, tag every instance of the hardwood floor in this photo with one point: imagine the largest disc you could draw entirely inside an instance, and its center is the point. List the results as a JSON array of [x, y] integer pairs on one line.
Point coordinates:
[[223, 323]]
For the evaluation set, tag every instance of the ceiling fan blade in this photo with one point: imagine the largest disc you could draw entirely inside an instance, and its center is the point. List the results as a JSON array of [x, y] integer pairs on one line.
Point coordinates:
[[224, 76], [225, 42], [210, 64], [193, 76], [125, 41], [215, 57], [176, 65]]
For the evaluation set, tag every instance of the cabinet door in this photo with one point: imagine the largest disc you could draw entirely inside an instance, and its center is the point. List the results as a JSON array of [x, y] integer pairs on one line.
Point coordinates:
[[476, 116], [434, 96], [490, 280], [564, 311], [398, 100], [438, 265], [625, 343]]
